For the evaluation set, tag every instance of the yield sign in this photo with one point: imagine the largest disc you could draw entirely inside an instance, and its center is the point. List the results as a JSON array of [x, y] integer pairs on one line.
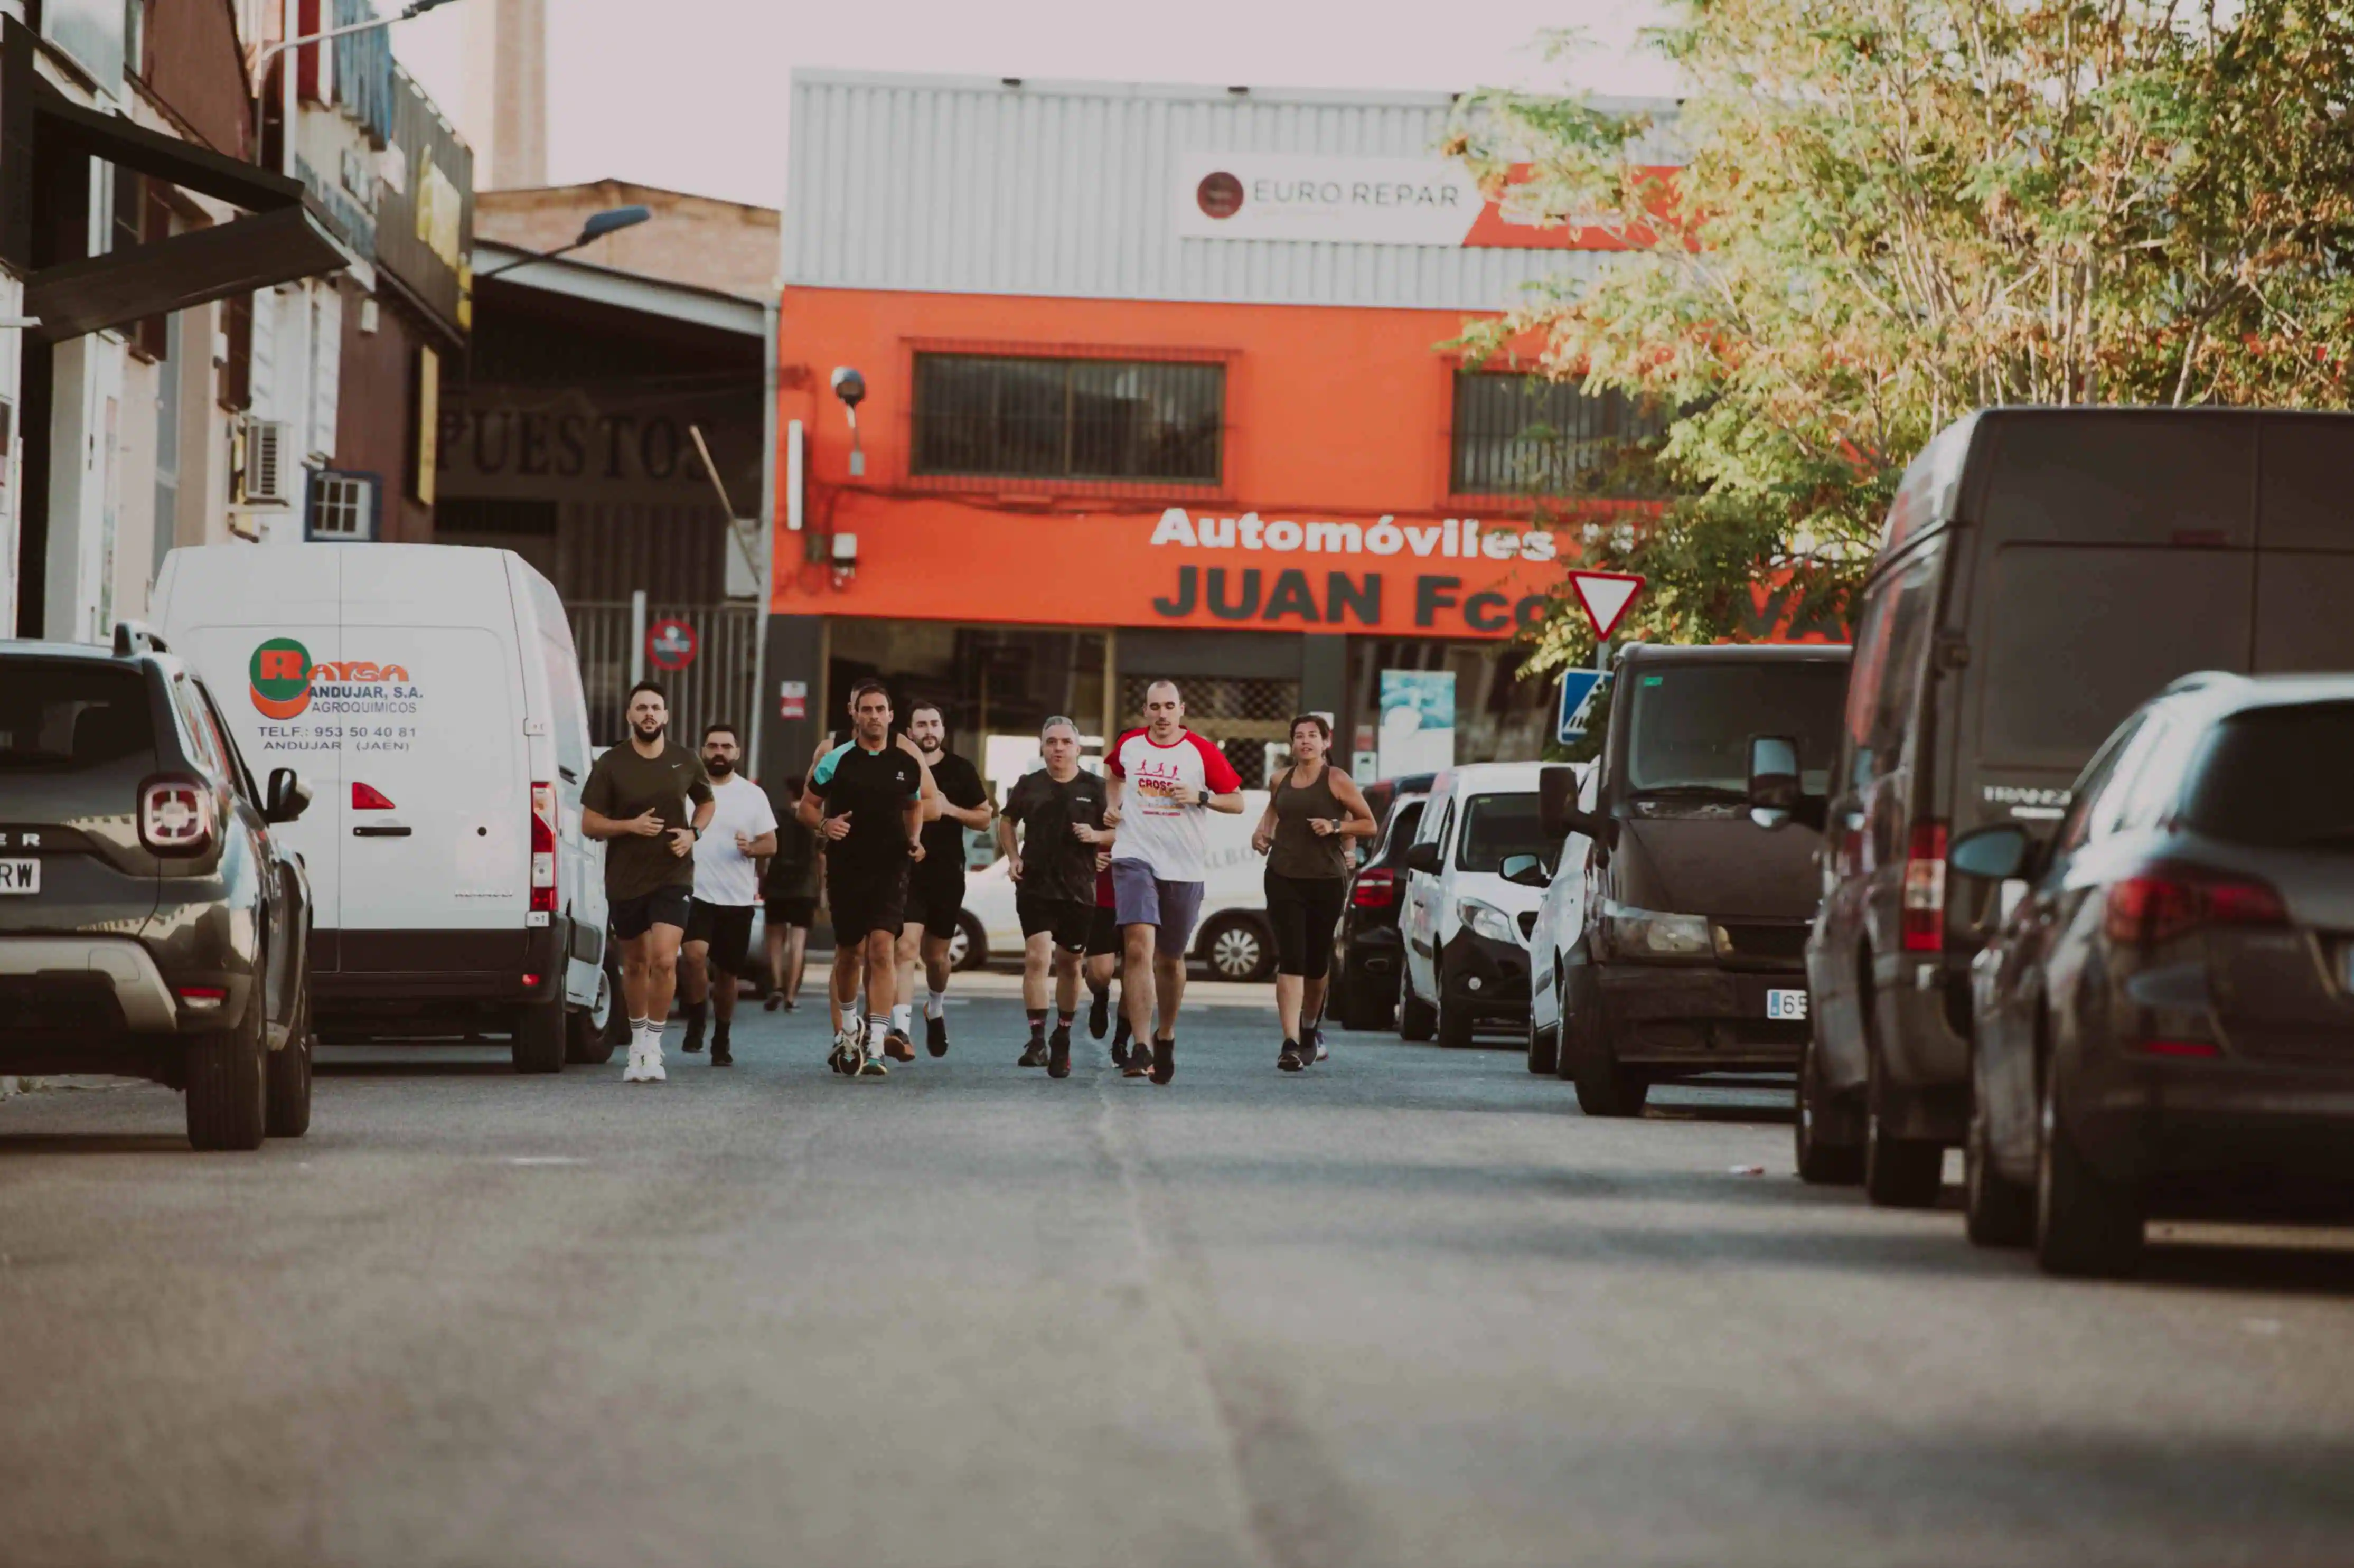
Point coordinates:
[[1605, 596]]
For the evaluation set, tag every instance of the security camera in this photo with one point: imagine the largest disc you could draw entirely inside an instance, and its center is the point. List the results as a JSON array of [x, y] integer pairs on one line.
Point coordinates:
[[850, 386]]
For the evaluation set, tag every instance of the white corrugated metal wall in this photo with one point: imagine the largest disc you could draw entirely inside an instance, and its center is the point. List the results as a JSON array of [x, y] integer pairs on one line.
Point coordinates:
[[968, 186]]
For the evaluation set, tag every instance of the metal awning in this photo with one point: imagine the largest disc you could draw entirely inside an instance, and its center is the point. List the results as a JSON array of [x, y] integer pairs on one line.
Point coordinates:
[[286, 237]]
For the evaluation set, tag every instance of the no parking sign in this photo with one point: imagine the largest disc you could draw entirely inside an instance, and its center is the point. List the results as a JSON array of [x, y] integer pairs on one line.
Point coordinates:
[[670, 644]]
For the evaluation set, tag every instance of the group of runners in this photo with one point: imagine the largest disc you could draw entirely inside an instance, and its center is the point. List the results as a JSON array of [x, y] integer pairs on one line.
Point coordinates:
[[1108, 871]]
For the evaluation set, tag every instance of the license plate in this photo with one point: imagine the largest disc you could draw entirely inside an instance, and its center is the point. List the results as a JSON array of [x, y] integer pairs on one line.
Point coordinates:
[[1786, 1005], [20, 877]]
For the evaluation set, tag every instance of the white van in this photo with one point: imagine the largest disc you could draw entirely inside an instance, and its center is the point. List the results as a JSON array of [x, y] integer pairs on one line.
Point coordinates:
[[430, 696], [1467, 928]]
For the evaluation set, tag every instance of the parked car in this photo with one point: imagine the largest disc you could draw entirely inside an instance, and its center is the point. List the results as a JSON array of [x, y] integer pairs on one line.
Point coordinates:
[[1368, 948], [2168, 1012], [1466, 927], [1232, 938], [1677, 951], [152, 922], [433, 693], [2043, 571]]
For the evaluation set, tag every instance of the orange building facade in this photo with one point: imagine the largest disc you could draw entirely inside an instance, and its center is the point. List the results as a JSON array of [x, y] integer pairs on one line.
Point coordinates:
[[1105, 437]]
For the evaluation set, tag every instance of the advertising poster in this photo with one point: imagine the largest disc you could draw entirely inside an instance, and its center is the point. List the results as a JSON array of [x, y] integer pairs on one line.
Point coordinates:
[[1418, 732]]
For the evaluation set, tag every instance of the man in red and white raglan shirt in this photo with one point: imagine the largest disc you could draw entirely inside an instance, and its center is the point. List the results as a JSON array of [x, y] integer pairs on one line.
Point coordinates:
[[1164, 779]]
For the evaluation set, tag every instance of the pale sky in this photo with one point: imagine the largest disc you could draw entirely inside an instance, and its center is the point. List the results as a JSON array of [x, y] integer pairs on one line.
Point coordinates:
[[690, 94]]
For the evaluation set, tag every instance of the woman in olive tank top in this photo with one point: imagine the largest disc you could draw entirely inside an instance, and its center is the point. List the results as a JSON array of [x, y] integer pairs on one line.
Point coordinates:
[[1313, 812]]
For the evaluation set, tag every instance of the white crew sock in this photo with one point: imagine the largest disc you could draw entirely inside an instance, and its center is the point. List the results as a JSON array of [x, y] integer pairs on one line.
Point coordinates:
[[875, 1030], [903, 1016], [934, 1001]]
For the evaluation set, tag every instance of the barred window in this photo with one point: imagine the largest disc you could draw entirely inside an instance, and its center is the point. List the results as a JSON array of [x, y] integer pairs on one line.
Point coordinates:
[[1070, 418], [1516, 435], [343, 506]]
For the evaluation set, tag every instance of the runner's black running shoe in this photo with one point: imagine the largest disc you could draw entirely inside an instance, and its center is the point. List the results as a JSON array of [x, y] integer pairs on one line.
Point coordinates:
[[721, 1056], [776, 1000], [1099, 1013], [1058, 1053], [1164, 1060], [1139, 1059], [936, 1035], [1033, 1054], [1288, 1059]]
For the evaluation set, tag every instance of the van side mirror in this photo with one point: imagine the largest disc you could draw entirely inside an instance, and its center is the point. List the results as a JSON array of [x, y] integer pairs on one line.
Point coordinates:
[[1558, 812], [287, 797], [1423, 857], [1998, 852], [1526, 870]]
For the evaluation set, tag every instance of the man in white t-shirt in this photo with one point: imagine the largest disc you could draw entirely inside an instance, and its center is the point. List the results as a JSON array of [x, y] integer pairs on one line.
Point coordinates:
[[1164, 779], [741, 833]]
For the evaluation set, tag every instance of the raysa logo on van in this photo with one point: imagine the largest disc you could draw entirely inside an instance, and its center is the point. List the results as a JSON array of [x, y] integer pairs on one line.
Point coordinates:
[[284, 678]]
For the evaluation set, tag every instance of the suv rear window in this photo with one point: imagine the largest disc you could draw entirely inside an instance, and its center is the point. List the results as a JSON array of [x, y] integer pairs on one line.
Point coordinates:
[[58, 715], [1692, 723], [2277, 777], [1496, 827]]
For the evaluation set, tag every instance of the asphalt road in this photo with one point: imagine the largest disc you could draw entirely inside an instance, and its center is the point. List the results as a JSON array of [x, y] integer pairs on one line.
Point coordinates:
[[1408, 1309]]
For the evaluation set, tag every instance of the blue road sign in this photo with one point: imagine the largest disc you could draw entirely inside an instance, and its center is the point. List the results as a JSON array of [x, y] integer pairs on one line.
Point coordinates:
[[1577, 689]]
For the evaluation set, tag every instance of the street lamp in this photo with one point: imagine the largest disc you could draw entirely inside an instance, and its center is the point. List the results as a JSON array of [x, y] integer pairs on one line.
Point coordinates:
[[599, 224], [261, 62]]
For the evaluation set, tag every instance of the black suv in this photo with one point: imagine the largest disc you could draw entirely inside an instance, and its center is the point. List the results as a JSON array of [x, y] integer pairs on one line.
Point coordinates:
[[150, 923]]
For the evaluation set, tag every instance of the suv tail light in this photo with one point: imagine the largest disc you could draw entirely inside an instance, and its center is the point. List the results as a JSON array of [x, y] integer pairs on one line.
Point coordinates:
[[1924, 889], [176, 815], [2163, 902], [1376, 888], [543, 848]]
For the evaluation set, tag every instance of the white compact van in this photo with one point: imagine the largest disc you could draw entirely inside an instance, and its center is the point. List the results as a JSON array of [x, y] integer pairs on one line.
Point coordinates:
[[430, 696]]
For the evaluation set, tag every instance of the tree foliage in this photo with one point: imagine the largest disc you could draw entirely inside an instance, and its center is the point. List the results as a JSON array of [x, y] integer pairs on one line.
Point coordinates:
[[1891, 212]]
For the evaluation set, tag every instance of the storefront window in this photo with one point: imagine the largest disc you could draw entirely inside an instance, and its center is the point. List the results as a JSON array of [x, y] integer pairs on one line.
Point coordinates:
[[1516, 435], [1068, 419], [1500, 716]]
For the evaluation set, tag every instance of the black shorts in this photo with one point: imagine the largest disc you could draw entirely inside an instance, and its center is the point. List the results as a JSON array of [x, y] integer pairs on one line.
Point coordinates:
[[793, 909], [864, 900], [727, 927], [1103, 932], [934, 901], [632, 917], [1066, 920], [1303, 910]]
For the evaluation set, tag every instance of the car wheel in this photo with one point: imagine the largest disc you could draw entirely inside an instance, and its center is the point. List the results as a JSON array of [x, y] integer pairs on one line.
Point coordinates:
[[968, 947], [1545, 1050], [1456, 1022], [228, 1089], [1416, 1020], [288, 1090], [541, 1036], [1605, 1086], [1822, 1161], [1999, 1212], [1901, 1172], [588, 1040], [1236, 949], [2086, 1226]]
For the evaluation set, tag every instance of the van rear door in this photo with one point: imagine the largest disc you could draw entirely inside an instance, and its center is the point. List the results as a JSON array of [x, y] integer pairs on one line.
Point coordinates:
[[256, 625], [438, 855], [2304, 540]]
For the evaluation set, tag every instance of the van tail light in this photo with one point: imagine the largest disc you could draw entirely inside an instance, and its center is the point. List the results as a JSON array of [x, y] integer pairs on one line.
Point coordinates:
[[2163, 901], [368, 798], [1376, 888], [176, 815], [203, 998], [1924, 889], [543, 848]]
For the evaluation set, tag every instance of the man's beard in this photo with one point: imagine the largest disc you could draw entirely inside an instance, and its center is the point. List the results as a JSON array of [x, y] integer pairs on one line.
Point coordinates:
[[719, 767], [929, 745], [653, 731]]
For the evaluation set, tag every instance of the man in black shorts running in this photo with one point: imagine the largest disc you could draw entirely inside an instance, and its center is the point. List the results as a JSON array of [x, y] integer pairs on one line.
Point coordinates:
[[865, 799], [1059, 812], [636, 800], [936, 885]]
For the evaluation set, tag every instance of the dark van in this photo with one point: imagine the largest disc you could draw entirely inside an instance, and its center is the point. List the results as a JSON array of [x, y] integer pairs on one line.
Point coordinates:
[[2043, 572], [1676, 949]]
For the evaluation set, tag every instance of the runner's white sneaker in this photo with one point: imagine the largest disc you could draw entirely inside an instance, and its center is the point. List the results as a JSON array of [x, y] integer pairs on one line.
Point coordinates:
[[653, 1071], [634, 1072]]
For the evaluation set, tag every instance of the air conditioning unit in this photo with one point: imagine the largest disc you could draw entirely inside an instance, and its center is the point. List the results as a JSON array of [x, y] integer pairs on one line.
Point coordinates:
[[269, 475]]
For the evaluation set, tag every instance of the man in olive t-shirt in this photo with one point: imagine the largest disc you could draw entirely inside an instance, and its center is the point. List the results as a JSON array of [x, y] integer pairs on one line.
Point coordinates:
[[636, 801]]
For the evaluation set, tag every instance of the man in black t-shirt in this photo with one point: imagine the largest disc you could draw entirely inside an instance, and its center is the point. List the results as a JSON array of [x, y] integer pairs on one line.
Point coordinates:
[[865, 800], [936, 885], [1059, 811]]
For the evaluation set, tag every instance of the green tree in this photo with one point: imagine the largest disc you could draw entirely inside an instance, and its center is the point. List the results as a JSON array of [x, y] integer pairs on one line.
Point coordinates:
[[1891, 212]]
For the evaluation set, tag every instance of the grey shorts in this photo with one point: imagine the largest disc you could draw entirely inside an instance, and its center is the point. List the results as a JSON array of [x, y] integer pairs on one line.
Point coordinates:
[[1140, 898]]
